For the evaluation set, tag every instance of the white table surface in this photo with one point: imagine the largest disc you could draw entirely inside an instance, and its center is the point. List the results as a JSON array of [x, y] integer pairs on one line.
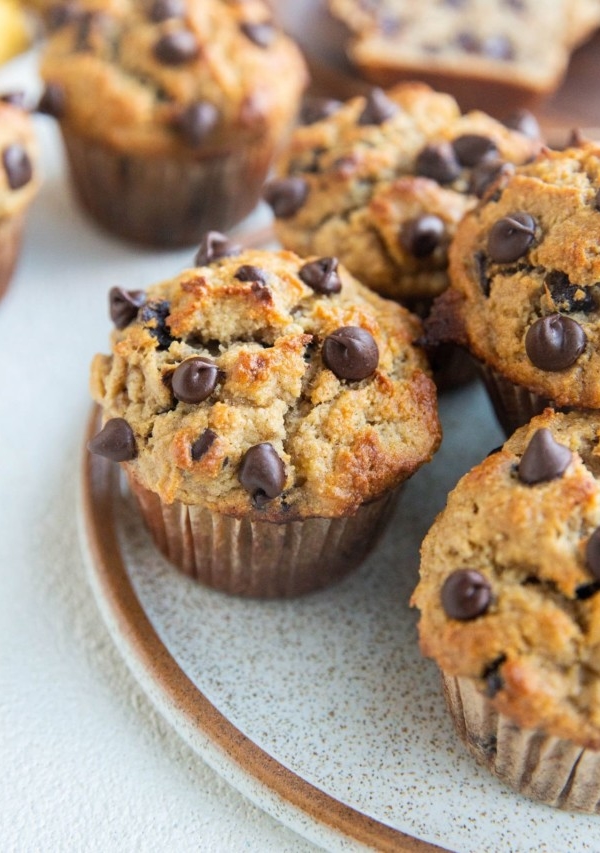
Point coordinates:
[[87, 763]]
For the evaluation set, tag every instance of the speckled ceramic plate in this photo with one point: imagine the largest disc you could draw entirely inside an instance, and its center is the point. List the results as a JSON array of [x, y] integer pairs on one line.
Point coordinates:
[[320, 709]]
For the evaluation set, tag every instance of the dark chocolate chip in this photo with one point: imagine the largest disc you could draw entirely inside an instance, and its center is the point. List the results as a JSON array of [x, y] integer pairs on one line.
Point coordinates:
[[162, 10], [115, 441], [597, 200], [285, 196], [17, 166], [510, 237], [438, 162], [154, 316], [197, 122], [421, 236], [247, 272], [52, 101], [480, 262], [472, 148], [16, 99], [466, 594], [322, 275], [202, 444], [61, 14], [544, 459], [124, 304], [194, 379], [486, 173], [525, 122], [215, 246], [554, 342], [587, 590], [262, 34], [493, 680], [498, 47], [378, 108], [262, 473], [350, 353], [567, 296], [592, 554], [315, 109], [176, 48]]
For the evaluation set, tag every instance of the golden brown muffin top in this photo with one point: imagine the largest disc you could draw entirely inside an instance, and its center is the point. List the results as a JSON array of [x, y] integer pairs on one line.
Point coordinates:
[[19, 171], [510, 578], [173, 75], [382, 181], [260, 348], [525, 273]]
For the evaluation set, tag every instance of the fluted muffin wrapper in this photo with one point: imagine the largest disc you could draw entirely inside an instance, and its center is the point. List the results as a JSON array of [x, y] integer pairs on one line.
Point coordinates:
[[548, 769], [11, 233], [166, 201], [514, 405], [261, 559]]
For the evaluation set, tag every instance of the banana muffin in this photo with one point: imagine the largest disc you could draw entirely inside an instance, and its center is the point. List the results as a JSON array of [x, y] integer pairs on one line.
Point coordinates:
[[265, 409], [171, 111]]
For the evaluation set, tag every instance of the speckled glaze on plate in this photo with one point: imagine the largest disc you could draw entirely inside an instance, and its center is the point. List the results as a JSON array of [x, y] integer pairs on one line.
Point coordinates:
[[320, 709]]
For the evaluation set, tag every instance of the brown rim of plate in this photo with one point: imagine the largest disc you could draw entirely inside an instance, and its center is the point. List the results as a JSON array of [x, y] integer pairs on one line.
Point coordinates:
[[178, 698]]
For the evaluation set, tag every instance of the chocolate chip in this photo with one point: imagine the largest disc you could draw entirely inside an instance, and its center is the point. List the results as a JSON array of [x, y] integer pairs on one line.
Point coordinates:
[[554, 342], [202, 444], [524, 122], [61, 14], [322, 275], [194, 379], [213, 247], [421, 236], [176, 48], [493, 680], [544, 459], [154, 315], [162, 10], [115, 441], [597, 200], [466, 594], [498, 47], [15, 99], [249, 273], [567, 296], [510, 237], [124, 304], [486, 173], [480, 263], [350, 353], [316, 109], [472, 148], [84, 31], [17, 166], [262, 473], [52, 101], [468, 42], [285, 196], [197, 122], [261, 34], [587, 590], [592, 554], [438, 162], [378, 108]]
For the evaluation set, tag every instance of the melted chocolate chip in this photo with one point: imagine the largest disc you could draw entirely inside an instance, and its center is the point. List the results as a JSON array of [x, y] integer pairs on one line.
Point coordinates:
[[52, 101], [466, 594], [567, 296], [421, 236], [592, 554], [262, 34], [472, 148], [154, 316], [322, 275], [285, 196], [316, 109], [17, 166], [115, 441], [124, 304], [544, 459], [194, 379], [378, 108], [486, 173], [249, 273], [162, 10], [438, 162], [262, 473], [510, 237], [176, 48], [480, 263], [197, 122], [524, 122], [213, 247], [202, 444], [350, 353], [554, 342]]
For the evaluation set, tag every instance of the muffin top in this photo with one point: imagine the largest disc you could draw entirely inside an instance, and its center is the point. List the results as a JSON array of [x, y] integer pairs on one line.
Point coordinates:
[[172, 74], [510, 578], [259, 383], [382, 181], [525, 273], [19, 179]]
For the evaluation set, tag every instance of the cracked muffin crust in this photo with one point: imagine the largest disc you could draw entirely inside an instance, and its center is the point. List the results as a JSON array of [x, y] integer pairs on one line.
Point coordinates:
[[383, 180]]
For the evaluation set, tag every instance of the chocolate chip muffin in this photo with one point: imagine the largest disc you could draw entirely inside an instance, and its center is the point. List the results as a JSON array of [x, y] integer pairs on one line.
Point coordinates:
[[383, 180], [510, 609], [265, 409], [171, 111], [525, 274], [19, 180]]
